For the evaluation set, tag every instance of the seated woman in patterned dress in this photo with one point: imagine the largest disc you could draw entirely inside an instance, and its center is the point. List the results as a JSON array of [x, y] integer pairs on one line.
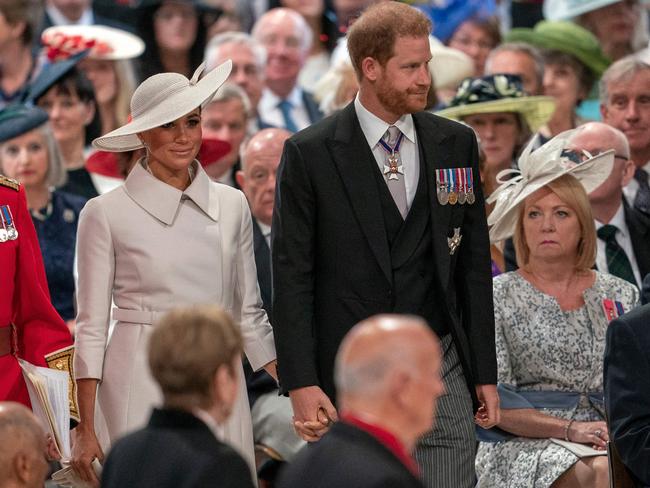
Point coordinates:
[[32, 157], [551, 317]]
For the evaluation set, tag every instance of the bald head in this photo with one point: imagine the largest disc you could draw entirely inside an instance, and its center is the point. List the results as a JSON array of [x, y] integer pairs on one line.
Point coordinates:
[[287, 38], [260, 158], [388, 366], [596, 137], [22, 447]]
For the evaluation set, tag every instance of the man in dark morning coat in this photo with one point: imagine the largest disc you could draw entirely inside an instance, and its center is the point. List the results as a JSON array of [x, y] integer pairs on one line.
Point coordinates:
[[627, 389], [388, 381], [192, 356], [342, 250]]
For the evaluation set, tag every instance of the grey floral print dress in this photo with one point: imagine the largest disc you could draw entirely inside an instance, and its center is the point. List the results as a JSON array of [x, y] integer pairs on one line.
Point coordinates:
[[540, 347]]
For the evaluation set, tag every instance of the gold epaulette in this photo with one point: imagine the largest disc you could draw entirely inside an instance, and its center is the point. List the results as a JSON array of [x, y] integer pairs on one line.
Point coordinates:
[[62, 360], [9, 182]]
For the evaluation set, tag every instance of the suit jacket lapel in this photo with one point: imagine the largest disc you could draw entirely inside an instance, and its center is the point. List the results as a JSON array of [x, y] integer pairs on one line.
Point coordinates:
[[436, 154], [263, 263], [639, 227], [353, 159]]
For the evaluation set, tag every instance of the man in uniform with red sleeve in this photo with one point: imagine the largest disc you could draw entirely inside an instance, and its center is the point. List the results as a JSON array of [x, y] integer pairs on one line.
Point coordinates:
[[30, 328]]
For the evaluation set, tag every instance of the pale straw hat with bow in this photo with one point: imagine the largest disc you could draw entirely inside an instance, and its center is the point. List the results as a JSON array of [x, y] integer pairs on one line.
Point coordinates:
[[538, 168], [160, 99]]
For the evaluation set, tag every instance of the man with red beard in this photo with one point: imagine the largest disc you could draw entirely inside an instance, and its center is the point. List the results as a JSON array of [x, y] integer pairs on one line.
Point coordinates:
[[378, 209], [625, 105]]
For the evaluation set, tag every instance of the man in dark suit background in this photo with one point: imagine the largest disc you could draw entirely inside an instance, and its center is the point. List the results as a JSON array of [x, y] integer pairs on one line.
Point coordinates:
[[348, 243], [623, 231], [627, 389], [631, 228], [287, 38], [271, 413], [388, 381], [193, 355]]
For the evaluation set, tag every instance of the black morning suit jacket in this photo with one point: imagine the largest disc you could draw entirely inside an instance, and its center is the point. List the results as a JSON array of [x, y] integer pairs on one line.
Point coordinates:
[[333, 264], [347, 457], [175, 450], [627, 389]]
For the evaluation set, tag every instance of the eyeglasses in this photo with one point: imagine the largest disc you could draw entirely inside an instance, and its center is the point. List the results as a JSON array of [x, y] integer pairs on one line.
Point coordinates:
[[578, 157]]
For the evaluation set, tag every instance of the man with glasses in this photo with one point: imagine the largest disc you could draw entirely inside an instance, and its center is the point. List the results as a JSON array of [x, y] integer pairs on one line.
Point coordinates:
[[287, 39], [623, 232]]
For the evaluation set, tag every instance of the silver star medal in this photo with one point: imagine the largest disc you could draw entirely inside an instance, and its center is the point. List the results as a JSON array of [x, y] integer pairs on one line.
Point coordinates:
[[454, 241], [393, 169]]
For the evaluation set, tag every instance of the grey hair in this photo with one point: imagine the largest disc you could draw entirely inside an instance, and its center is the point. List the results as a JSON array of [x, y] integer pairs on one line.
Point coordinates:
[[56, 175], [230, 91], [238, 38], [621, 70], [304, 31], [523, 48]]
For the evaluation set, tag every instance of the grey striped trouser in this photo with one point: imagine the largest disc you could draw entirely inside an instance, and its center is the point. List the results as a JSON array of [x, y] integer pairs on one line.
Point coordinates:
[[446, 455]]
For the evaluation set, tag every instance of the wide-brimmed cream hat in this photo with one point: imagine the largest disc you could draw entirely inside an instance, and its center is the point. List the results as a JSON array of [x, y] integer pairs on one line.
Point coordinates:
[[538, 168], [160, 99], [104, 42]]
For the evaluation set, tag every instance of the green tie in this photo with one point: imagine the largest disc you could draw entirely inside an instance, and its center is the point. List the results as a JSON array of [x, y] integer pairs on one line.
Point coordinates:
[[617, 262]]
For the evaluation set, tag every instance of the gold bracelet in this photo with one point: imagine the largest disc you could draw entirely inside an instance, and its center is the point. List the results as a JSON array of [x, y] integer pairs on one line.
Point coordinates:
[[566, 430]]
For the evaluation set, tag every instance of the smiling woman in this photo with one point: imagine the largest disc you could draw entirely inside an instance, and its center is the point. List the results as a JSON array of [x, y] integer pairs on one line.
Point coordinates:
[[168, 237]]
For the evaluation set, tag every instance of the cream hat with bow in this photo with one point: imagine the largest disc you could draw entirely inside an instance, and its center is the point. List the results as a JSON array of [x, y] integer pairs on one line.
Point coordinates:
[[160, 99], [538, 168]]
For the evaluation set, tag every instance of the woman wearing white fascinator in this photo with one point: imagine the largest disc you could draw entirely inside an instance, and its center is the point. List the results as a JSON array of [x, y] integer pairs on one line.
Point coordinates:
[[550, 317], [167, 237]]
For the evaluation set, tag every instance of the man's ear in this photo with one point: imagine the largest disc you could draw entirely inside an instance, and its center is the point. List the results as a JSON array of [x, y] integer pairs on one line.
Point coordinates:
[[241, 179], [21, 465], [370, 68], [628, 172]]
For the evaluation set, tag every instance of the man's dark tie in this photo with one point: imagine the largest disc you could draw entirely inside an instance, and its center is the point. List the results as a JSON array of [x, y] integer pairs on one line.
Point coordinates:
[[289, 123], [617, 262], [642, 199]]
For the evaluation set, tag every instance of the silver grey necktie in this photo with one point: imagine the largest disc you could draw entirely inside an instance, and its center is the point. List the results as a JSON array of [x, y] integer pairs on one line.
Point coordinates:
[[393, 173]]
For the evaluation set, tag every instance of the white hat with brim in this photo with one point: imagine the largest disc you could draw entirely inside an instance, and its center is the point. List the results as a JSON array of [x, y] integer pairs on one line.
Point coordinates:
[[568, 9], [538, 168], [109, 43], [160, 99], [536, 111], [448, 66]]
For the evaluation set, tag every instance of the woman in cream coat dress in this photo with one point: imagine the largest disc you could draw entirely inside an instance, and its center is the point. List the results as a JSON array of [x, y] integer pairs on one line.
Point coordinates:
[[168, 237]]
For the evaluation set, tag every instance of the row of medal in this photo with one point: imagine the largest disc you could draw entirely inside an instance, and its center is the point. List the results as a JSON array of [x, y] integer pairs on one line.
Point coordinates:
[[455, 185], [8, 231]]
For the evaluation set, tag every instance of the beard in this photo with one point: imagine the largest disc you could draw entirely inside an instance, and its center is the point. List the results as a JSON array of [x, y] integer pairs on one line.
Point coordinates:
[[398, 101]]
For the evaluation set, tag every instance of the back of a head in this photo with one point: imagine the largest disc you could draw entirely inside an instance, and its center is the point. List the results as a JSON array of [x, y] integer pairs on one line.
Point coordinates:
[[22, 447], [378, 347], [186, 348], [374, 33]]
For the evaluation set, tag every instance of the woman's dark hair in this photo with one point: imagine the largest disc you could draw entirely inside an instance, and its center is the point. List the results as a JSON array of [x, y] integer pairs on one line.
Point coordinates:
[[149, 62], [75, 82], [586, 77]]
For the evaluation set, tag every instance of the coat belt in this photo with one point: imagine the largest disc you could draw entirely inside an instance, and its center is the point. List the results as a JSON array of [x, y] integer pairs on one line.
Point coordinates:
[[146, 317]]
